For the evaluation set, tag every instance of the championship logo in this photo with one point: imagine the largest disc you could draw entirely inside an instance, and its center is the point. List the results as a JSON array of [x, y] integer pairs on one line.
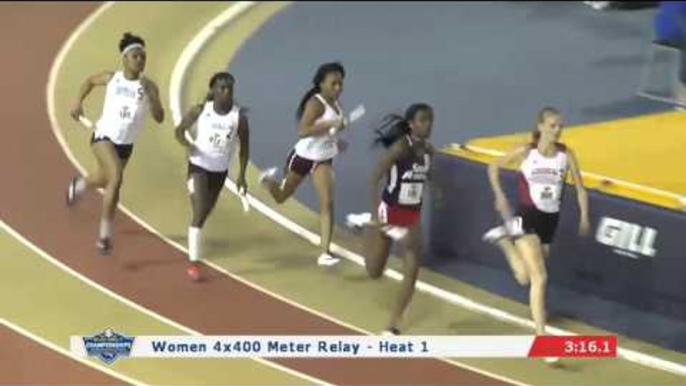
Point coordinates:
[[108, 346]]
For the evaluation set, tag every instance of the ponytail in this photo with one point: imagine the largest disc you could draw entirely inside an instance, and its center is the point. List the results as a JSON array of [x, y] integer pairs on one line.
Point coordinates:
[[309, 94], [393, 127]]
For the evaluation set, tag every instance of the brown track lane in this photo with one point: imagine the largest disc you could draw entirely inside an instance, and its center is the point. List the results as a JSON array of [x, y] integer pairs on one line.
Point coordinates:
[[36, 172], [25, 362]]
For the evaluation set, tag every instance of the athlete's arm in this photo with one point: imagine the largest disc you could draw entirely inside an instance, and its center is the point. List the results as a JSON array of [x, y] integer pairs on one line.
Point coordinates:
[[187, 121], [244, 155], [313, 110], [581, 194], [100, 79], [153, 93], [394, 153], [501, 203]]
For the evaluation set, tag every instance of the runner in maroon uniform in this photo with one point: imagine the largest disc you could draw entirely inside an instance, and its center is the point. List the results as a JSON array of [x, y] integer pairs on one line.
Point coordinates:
[[396, 212]]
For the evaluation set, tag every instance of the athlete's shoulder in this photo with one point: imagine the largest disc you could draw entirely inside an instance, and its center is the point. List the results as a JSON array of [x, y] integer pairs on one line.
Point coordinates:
[[314, 106], [198, 107]]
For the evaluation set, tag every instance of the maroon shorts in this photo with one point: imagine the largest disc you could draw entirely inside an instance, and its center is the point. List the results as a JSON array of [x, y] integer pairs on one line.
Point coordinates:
[[398, 216], [303, 166]]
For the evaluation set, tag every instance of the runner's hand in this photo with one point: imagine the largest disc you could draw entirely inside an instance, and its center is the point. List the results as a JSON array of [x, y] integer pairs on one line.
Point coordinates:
[[76, 112], [584, 227], [241, 184], [338, 124]]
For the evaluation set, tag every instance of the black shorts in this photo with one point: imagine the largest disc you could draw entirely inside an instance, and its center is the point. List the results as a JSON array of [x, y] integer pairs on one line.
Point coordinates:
[[303, 166], [215, 180], [123, 151], [539, 223]]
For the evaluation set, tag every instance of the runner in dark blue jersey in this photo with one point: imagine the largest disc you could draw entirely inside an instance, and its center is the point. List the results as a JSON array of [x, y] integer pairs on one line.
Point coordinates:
[[395, 213]]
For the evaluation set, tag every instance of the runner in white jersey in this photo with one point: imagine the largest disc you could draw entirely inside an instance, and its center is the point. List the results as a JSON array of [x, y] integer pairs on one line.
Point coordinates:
[[219, 125], [321, 119], [525, 238], [128, 96]]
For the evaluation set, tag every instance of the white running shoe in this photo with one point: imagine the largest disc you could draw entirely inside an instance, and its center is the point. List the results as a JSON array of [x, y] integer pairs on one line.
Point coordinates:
[[327, 260], [267, 174], [104, 246], [494, 234], [72, 195], [515, 226], [512, 227], [552, 360], [358, 220]]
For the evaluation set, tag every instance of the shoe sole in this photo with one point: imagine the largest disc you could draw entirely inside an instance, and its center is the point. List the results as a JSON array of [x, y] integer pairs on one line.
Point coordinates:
[[104, 251], [328, 263], [71, 192]]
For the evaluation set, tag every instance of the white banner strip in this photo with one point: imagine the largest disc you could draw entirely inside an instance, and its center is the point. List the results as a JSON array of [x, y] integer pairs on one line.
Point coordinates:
[[313, 346]]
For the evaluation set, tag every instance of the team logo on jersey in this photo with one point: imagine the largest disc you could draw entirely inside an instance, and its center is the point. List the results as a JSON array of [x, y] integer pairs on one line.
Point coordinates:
[[108, 346], [547, 193], [627, 239], [418, 172], [126, 92]]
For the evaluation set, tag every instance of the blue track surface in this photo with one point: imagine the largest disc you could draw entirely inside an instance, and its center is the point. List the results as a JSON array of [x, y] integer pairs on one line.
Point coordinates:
[[487, 68]]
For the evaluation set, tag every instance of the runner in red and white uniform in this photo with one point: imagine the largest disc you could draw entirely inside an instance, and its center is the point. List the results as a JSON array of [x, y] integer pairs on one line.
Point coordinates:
[[525, 237]]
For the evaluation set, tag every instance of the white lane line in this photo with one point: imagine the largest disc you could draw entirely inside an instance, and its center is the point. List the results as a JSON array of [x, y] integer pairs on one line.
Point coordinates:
[[175, 92], [62, 351], [135, 305], [57, 131]]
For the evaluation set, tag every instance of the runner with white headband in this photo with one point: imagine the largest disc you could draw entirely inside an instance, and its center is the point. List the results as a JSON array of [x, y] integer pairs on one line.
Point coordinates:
[[128, 96]]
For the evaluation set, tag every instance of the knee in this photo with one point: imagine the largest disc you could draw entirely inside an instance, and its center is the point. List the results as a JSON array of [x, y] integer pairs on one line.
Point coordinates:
[[198, 222], [374, 273], [539, 278], [522, 279], [115, 181], [326, 204], [280, 198]]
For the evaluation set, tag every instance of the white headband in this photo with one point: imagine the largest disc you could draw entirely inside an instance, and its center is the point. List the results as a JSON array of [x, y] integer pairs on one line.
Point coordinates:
[[131, 47]]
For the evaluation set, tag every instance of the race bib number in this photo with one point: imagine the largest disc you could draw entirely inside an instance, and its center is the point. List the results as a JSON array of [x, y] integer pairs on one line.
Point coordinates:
[[410, 193], [547, 194], [218, 141], [125, 113]]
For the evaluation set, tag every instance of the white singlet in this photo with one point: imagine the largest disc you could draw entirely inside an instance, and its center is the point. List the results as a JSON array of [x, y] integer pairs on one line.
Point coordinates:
[[215, 139], [323, 147], [123, 111], [542, 179]]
